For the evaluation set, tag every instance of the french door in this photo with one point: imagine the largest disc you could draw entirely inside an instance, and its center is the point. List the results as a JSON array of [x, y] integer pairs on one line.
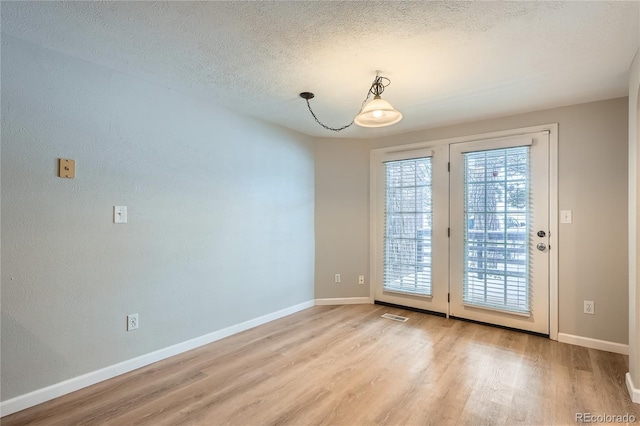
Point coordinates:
[[411, 229], [499, 212], [462, 229]]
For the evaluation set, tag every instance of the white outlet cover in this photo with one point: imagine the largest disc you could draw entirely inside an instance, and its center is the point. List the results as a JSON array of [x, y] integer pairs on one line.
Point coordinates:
[[119, 214], [132, 322], [589, 307]]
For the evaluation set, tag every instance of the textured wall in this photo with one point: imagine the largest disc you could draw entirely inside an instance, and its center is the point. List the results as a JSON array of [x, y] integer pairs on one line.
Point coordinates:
[[220, 217], [592, 182]]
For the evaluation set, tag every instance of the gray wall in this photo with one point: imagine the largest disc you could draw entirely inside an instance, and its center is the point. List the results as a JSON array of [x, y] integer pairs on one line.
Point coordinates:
[[342, 217], [220, 225], [593, 183]]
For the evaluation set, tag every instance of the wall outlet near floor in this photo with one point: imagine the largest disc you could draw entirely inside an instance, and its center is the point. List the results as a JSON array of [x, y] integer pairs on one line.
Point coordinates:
[[361, 279], [337, 278], [589, 307], [132, 322]]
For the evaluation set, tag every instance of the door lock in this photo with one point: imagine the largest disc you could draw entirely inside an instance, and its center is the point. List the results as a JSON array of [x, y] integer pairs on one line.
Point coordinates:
[[541, 234]]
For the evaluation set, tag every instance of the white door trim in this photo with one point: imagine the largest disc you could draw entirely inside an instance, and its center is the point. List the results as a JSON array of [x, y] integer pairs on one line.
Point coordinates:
[[553, 203], [553, 231]]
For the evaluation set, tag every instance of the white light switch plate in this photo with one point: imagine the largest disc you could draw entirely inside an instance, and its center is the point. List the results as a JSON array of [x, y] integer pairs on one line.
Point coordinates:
[[565, 216], [119, 214]]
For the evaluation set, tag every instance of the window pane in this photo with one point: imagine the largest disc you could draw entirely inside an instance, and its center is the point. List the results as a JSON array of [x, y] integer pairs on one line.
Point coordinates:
[[496, 271], [408, 223]]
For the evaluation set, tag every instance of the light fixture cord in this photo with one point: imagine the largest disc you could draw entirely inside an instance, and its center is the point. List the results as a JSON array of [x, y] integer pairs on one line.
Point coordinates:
[[335, 129], [377, 87]]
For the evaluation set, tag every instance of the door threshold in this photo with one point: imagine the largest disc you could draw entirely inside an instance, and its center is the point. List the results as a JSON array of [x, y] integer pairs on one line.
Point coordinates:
[[504, 327], [441, 314], [409, 308]]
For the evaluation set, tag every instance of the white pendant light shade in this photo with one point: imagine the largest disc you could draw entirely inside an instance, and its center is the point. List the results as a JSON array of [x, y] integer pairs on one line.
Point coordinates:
[[378, 113], [375, 113]]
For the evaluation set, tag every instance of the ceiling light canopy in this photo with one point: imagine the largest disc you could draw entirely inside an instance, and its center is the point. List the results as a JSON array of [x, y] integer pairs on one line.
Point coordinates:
[[374, 113]]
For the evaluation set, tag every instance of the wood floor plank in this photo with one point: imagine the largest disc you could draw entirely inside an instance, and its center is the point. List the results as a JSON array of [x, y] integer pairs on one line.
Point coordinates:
[[345, 365], [533, 400]]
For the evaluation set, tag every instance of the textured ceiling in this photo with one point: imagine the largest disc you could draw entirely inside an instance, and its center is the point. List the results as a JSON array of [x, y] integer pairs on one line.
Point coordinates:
[[449, 62]]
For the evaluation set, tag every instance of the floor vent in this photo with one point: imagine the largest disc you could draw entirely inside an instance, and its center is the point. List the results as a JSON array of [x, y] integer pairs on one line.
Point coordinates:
[[395, 317]]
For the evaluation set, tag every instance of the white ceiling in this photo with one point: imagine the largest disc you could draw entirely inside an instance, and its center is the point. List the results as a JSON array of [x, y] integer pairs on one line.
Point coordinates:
[[448, 62]]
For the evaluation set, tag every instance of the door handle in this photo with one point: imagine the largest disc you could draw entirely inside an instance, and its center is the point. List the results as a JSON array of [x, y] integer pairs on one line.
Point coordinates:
[[541, 246]]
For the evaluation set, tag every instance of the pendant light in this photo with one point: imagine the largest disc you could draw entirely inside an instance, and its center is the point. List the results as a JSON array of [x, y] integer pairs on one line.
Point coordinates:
[[374, 113]]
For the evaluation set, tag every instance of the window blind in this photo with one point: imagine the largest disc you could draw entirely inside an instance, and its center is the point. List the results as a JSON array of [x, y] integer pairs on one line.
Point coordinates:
[[408, 225], [496, 237]]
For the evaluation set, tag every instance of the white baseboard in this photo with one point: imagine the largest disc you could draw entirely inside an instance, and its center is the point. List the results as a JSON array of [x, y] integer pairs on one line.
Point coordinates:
[[344, 301], [588, 342], [634, 392], [50, 392]]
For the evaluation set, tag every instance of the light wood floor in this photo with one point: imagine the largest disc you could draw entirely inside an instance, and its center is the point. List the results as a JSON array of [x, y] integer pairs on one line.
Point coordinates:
[[344, 365]]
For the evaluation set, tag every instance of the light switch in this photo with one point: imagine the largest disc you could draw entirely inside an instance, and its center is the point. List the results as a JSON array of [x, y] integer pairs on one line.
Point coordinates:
[[119, 214], [66, 168], [565, 216]]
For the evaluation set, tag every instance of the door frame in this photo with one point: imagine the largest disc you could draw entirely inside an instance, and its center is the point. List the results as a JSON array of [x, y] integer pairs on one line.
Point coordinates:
[[374, 229]]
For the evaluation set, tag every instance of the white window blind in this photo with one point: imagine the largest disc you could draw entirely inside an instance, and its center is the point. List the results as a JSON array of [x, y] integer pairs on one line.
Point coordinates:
[[408, 224], [497, 205]]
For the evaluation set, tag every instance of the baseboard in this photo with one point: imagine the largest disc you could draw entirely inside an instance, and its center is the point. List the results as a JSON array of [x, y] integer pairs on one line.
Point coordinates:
[[50, 392], [344, 301], [588, 342], [634, 392]]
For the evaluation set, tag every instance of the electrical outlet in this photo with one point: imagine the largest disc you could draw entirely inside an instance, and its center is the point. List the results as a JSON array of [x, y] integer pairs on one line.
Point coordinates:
[[337, 278], [361, 279], [589, 307], [132, 322]]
